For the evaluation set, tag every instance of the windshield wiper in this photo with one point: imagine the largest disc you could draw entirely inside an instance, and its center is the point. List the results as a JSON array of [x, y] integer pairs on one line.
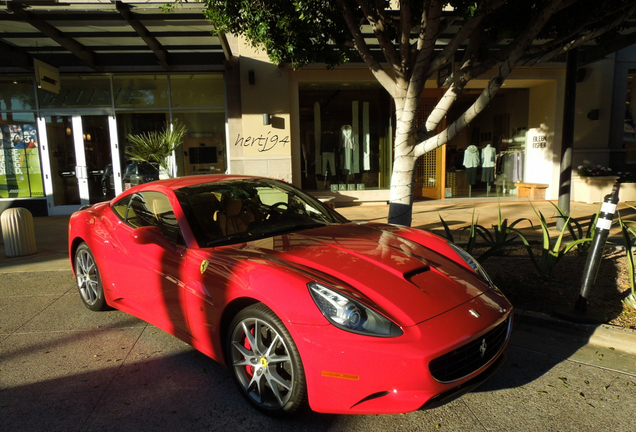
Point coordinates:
[[243, 236], [293, 228], [249, 236]]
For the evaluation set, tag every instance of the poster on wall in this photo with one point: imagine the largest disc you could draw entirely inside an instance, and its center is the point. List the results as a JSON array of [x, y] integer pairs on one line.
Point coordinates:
[[20, 172]]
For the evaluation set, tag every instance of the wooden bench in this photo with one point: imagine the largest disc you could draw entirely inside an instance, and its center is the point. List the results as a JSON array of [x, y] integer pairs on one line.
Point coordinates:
[[534, 191]]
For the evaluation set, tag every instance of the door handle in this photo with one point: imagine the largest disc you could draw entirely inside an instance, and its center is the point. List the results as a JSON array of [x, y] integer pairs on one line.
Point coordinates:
[[81, 172]]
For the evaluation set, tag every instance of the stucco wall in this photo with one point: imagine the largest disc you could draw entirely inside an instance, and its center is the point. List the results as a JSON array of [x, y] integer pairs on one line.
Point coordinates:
[[256, 148], [593, 93], [545, 113]]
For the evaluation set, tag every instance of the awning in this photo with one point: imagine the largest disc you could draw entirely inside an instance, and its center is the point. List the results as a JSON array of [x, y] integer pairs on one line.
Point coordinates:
[[108, 36]]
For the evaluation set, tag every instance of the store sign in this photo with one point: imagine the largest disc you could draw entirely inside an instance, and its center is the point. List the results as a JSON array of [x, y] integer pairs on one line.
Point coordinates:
[[47, 77], [538, 158]]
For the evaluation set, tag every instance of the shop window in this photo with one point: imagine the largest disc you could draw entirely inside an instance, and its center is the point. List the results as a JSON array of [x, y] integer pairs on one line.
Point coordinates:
[[78, 92], [140, 91], [20, 172], [191, 91], [488, 157], [134, 124], [629, 125], [16, 93], [345, 137], [204, 147]]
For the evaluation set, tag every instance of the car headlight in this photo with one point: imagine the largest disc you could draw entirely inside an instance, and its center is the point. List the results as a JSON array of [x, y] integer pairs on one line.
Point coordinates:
[[351, 315], [472, 262]]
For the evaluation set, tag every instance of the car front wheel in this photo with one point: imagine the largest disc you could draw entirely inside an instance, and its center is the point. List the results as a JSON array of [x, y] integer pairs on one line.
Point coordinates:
[[88, 281], [265, 361]]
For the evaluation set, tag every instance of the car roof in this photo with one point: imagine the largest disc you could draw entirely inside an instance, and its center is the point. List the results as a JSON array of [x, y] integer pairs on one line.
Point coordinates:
[[181, 182]]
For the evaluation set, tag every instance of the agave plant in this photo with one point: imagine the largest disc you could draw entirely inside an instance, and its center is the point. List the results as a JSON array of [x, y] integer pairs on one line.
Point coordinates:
[[157, 147], [551, 254], [472, 239], [627, 227]]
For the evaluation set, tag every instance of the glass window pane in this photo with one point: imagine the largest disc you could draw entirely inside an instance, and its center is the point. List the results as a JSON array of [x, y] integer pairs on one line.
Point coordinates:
[[59, 134], [78, 92], [345, 136], [204, 144], [20, 172], [197, 91], [141, 91], [16, 93], [135, 124]]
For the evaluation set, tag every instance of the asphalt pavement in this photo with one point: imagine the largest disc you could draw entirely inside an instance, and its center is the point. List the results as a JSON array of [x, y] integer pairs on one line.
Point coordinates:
[[65, 368]]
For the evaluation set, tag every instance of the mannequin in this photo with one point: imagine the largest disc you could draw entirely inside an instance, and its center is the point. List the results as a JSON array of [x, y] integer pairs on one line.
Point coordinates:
[[328, 147], [488, 166], [471, 162]]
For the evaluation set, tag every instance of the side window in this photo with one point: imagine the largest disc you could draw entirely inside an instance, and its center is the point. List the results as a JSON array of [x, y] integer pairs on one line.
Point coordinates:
[[120, 207], [154, 209]]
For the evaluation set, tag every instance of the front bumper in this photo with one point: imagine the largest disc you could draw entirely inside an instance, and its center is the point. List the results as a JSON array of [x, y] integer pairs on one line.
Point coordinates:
[[353, 374]]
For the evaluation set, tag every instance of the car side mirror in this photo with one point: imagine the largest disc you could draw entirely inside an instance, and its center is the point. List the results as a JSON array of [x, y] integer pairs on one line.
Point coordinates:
[[151, 235]]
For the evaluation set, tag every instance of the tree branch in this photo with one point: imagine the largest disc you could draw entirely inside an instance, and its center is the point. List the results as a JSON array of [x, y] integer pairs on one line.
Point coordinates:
[[361, 46], [379, 29], [467, 31], [517, 49], [556, 47]]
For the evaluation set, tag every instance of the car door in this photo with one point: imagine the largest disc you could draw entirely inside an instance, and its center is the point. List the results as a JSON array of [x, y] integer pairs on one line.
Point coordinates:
[[154, 269]]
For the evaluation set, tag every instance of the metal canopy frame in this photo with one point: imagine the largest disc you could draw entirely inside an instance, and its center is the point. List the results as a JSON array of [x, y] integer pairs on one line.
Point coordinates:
[[109, 36]]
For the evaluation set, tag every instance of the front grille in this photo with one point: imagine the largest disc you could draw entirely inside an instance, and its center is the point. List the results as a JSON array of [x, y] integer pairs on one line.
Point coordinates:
[[468, 358]]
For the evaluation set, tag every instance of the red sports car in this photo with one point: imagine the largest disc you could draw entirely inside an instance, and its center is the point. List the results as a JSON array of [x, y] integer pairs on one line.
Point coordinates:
[[300, 304]]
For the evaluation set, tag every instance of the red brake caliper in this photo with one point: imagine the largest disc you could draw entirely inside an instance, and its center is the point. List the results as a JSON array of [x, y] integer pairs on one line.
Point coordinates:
[[247, 345]]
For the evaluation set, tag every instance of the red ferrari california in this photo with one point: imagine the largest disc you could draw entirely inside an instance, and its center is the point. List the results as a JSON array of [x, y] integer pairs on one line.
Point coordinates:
[[300, 304]]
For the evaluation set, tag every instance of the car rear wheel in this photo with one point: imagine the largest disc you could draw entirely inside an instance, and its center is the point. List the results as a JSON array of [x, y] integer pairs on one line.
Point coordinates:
[[265, 361], [88, 281]]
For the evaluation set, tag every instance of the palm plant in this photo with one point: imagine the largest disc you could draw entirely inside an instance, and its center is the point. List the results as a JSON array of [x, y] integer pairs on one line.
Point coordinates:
[[157, 147]]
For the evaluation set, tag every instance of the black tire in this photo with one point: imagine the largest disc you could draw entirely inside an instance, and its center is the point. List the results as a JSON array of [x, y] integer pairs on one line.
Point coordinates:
[[271, 376], [89, 282]]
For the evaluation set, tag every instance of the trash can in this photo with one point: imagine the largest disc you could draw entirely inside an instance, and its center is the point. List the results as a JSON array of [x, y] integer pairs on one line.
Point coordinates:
[[18, 232]]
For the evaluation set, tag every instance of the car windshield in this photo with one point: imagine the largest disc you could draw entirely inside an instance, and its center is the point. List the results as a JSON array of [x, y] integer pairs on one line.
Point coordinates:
[[235, 211]]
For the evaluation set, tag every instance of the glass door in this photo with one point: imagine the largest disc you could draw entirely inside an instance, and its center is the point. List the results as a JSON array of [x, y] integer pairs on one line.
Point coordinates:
[[82, 161]]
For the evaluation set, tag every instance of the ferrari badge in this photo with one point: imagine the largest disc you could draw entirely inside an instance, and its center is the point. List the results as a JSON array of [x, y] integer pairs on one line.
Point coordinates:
[[204, 266]]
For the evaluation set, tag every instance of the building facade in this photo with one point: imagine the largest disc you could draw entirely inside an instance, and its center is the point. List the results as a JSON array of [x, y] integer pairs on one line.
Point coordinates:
[[329, 132]]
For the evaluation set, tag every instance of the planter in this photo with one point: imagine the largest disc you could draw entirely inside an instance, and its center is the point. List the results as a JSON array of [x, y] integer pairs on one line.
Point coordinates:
[[593, 189], [627, 192]]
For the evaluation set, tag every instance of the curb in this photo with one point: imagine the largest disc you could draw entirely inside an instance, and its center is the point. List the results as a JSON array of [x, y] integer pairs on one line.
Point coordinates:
[[604, 335]]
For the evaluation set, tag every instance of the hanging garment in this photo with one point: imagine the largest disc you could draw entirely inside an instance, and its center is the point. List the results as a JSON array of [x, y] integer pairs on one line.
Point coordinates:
[[488, 174], [471, 157], [366, 138], [488, 156], [328, 162], [351, 160], [317, 136], [471, 176]]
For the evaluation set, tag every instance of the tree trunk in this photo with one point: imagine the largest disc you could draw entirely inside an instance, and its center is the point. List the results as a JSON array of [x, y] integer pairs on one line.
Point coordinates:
[[402, 178]]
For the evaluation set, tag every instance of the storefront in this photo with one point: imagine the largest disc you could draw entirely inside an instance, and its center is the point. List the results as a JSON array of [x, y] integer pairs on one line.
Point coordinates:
[[345, 139], [345, 136], [60, 151]]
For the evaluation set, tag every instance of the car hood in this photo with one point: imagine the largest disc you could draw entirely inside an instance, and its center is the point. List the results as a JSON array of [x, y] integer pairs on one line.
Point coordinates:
[[407, 281]]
